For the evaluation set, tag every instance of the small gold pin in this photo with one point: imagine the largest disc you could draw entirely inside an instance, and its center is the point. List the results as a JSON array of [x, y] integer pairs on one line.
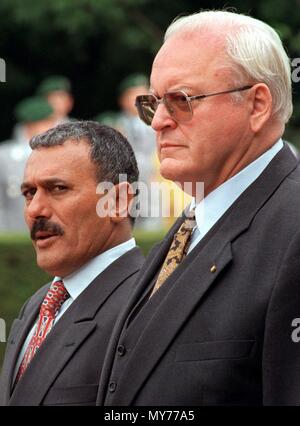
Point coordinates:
[[213, 269]]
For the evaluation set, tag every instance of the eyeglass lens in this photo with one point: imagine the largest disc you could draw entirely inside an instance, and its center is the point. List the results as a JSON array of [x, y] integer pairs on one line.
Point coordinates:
[[176, 103], [146, 106]]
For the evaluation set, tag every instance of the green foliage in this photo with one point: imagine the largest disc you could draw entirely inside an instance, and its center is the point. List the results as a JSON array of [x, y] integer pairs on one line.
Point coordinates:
[[96, 43], [20, 277]]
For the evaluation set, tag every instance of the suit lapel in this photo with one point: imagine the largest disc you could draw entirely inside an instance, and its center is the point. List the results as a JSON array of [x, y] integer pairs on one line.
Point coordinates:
[[183, 293], [18, 333], [184, 289], [61, 344], [154, 259], [145, 276], [72, 330]]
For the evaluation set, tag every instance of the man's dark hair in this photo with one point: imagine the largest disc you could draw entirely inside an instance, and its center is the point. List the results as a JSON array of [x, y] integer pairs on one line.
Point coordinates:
[[110, 151]]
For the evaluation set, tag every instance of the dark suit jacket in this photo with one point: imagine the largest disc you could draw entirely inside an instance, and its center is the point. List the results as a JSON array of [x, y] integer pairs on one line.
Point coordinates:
[[67, 367], [219, 336]]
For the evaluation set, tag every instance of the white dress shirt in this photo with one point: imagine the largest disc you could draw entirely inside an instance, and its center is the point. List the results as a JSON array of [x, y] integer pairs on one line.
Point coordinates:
[[217, 202], [78, 281]]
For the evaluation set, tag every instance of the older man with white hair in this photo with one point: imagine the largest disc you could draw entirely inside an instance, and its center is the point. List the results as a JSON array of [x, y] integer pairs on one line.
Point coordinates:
[[212, 319]]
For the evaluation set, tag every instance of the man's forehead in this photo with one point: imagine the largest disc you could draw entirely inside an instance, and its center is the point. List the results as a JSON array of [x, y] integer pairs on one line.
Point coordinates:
[[61, 160], [68, 151], [44, 167], [185, 58], [202, 42], [40, 172]]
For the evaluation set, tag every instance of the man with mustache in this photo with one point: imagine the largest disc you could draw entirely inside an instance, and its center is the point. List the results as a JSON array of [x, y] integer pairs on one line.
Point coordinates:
[[212, 318], [56, 347]]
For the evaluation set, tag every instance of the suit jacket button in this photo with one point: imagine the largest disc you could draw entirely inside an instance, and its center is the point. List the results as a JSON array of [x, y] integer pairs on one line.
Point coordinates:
[[112, 387], [213, 268], [121, 350]]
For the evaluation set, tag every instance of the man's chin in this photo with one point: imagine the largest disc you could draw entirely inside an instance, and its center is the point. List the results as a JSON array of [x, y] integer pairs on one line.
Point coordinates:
[[50, 266], [49, 259], [170, 169]]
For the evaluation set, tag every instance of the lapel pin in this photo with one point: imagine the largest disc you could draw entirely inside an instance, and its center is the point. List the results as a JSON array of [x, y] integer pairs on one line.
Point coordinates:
[[213, 269]]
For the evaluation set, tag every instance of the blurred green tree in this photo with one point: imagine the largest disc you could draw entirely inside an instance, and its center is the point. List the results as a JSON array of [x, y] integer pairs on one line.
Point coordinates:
[[98, 42]]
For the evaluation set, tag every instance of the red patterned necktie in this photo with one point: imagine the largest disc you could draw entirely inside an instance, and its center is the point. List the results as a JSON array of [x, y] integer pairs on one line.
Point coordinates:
[[177, 251], [55, 297]]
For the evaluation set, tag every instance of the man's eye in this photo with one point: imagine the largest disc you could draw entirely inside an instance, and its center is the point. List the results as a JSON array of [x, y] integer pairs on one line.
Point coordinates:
[[179, 98], [28, 193], [59, 188]]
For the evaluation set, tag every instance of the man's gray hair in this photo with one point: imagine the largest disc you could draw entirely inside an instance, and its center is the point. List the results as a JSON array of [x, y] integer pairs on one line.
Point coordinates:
[[110, 151], [254, 48]]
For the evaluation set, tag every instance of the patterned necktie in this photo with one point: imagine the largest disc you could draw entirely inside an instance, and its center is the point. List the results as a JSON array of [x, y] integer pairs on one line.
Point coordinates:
[[55, 297], [177, 251]]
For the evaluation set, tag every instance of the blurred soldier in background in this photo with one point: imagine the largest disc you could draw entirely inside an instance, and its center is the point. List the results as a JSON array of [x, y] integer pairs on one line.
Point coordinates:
[[35, 116], [57, 91], [141, 138], [108, 118]]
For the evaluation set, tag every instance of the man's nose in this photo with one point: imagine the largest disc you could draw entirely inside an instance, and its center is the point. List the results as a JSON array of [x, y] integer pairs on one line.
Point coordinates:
[[162, 118], [38, 206]]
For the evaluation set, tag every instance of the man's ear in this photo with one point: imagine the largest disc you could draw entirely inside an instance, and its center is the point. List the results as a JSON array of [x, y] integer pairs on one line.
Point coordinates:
[[123, 197], [261, 109]]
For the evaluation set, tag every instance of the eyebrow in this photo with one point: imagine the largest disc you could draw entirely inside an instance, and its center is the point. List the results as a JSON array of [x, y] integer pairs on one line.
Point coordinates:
[[45, 182], [185, 88]]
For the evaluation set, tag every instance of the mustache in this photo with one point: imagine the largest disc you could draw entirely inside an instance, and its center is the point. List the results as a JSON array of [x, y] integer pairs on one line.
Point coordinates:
[[45, 225]]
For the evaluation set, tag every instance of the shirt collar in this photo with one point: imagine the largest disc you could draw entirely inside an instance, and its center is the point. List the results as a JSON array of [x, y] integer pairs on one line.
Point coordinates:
[[212, 207], [79, 280]]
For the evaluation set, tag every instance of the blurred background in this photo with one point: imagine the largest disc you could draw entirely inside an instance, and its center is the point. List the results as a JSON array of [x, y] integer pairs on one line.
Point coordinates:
[[95, 45]]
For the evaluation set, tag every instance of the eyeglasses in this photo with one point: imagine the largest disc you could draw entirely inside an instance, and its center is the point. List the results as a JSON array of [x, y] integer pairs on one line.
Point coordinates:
[[178, 104]]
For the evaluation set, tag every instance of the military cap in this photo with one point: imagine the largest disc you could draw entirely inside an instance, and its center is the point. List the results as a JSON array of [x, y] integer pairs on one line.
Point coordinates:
[[32, 109], [53, 83], [133, 80], [109, 118]]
